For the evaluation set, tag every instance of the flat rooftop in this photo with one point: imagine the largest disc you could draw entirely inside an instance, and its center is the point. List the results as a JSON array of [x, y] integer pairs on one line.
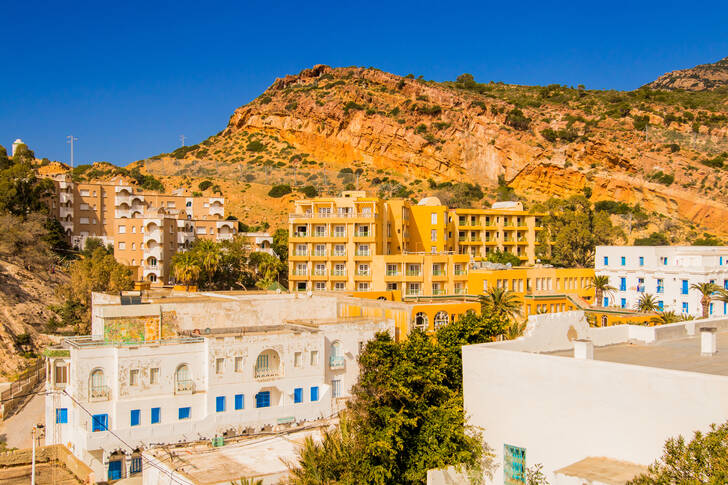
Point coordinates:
[[603, 470], [259, 457], [675, 354]]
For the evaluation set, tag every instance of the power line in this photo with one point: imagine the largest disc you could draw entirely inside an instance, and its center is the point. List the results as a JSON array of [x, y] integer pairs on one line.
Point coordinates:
[[131, 448]]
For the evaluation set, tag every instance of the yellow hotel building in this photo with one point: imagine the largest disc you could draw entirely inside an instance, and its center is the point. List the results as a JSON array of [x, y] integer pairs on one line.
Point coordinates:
[[358, 243]]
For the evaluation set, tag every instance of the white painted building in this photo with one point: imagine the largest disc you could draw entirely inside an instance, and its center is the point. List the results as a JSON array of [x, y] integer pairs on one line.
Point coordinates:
[[227, 364], [576, 399], [666, 272]]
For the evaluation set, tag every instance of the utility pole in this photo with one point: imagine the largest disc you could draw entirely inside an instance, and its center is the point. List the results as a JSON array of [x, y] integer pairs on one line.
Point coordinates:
[[71, 139], [182, 138]]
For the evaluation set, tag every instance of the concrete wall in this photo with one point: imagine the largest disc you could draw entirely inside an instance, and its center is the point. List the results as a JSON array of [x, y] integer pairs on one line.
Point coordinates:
[[561, 409]]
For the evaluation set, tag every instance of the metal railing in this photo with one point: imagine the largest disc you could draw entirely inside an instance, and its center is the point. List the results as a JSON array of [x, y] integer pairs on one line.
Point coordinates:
[[319, 272], [99, 393], [339, 272], [362, 273], [300, 272], [182, 386], [414, 273], [265, 372], [337, 362]]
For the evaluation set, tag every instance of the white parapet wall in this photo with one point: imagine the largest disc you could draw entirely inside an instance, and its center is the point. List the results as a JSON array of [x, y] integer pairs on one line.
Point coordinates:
[[559, 409]]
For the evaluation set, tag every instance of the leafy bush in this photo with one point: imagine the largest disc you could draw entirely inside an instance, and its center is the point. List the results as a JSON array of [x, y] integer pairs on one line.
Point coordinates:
[[504, 257], [654, 239], [279, 190], [421, 128], [549, 135], [351, 105], [291, 105], [662, 178], [265, 100], [309, 191], [640, 122], [255, 146], [516, 119], [612, 207], [673, 147], [707, 240], [716, 162], [204, 185]]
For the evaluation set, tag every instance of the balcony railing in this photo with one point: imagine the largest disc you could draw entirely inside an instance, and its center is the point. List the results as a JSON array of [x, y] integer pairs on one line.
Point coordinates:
[[319, 253], [361, 234], [459, 272], [339, 272], [337, 362], [99, 393], [340, 234], [363, 253], [300, 272], [392, 272], [339, 253], [438, 291], [413, 293], [301, 253], [320, 234], [459, 291], [362, 273], [413, 272], [184, 386], [266, 372], [438, 272], [300, 234], [319, 272]]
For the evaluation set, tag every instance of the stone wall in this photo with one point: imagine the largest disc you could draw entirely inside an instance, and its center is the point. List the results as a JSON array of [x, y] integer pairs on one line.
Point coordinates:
[[45, 454]]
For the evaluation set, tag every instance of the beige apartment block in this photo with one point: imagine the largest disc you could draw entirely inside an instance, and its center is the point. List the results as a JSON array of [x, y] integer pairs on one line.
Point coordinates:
[[360, 243], [145, 228]]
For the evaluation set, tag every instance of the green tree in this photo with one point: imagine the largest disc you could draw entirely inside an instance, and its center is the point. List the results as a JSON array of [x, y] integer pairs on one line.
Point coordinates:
[[405, 417], [601, 286], [702, 460], [469, 329], [647, 303], [501, 303], [504, 257], [186, 268], [573, 229], [280, 244], [706, 291]]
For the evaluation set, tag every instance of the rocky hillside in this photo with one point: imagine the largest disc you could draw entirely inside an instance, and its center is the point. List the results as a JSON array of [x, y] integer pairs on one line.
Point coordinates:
[[332, 128], [25, 297], [698, 78]]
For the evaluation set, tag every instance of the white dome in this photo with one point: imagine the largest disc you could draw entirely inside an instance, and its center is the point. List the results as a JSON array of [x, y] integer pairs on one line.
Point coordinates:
[[18, 141], [430, 201]]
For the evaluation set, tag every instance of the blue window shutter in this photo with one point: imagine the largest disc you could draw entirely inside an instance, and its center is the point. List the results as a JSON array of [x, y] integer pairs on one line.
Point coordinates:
[[684, 287], [660, 305], [99, 422], [220, 404], [606, 261], [314, 393], [115, 470], [135, 417], [262, 399], [624, 260], [642, 260], [155, 415], [624, 302], [710, 306], [239, 401], [184, 413], [605, 302], [298, 395], [61, 415]]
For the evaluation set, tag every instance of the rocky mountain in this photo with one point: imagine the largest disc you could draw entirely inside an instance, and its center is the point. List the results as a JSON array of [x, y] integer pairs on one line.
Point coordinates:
[[698, 78], [331, 128]]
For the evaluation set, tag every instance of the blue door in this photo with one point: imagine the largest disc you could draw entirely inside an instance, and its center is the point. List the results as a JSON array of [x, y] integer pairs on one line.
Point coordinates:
[[262, 399], [115, 470]]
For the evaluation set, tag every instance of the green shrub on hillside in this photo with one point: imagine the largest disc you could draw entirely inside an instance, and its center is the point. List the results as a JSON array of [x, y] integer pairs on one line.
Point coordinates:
[[279, 190]]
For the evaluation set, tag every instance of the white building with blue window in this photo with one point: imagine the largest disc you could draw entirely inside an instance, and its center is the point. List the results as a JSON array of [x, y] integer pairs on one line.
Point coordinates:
[[227, 364], [665, 272]]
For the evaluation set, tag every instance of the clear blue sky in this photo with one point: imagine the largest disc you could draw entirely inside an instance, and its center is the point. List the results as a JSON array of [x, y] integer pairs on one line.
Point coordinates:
[[127, 78]]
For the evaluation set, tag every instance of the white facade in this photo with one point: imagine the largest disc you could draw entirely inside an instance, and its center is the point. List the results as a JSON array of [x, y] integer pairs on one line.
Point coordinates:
[[227, 379], [535, 397], [666, 272]]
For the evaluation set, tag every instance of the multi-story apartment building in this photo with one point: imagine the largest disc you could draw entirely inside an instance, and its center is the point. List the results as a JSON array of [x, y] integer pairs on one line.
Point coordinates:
[[145, 228], [360, 243], [201, 366], [666, 272]]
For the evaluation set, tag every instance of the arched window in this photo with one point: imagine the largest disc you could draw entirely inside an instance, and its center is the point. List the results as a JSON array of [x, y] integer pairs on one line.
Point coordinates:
[[441, 319], [152, 261], [182, 379], [267, 364], [152, 277], [336, 349], [604, 320], [97, 378], [97, 385], [421, 321]]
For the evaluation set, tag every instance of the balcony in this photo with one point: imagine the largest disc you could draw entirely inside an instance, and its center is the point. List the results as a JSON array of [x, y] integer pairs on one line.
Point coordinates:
[[413, 293], [339, 254], [363, 273], [224, 237], [340, 234], [319, 272], [414, 272], [266, 373], [438, 272], [363, 254], [65, 197], [338, 272], [392, 272], [337, 362], [300, 253], [300, 272], [184, 386], [154, 235], [299, 234], [459, 272], [438, 292], [99, 393], [321, 234], [459, 291]]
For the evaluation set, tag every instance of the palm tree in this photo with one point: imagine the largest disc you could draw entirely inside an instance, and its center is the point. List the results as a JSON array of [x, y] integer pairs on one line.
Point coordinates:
[[210, 256], [664, 318], [707, 290], [601, 286], [247, 481], [186, 268], [501, 302], [516, 329], [647, 303]]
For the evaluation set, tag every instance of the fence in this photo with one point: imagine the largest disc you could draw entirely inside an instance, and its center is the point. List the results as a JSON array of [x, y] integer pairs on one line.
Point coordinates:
[[19, 389]]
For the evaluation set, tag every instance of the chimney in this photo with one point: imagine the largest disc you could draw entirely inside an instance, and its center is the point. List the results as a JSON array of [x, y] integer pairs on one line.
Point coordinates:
[[583, 349], [708, 341]]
